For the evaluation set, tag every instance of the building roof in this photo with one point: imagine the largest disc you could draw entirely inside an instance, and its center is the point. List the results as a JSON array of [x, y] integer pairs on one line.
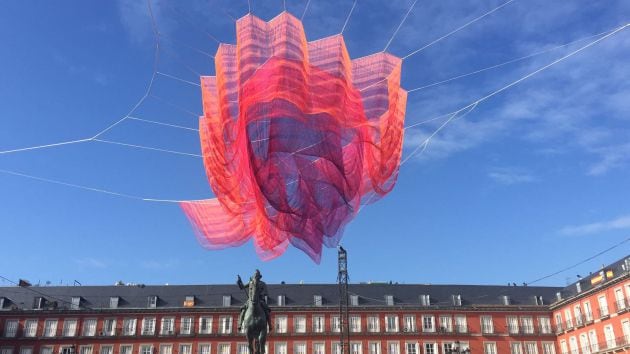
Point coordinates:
[[605, 275], [295, 295]]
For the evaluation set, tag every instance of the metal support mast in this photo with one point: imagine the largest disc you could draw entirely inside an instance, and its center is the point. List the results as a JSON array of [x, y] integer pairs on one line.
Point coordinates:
[[342, 280]]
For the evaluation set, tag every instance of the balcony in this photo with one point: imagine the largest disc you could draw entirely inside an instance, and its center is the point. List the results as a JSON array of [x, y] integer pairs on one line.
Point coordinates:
[[603, 312], [618, 344], [621, 305]]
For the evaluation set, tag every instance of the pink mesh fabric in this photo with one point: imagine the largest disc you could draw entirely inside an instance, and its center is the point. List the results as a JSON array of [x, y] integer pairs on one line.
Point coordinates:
[[295, 137]]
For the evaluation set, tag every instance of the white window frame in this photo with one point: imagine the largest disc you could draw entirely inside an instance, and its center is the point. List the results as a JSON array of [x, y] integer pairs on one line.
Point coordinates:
[[373, 324], [186, 325], [391, 327], [281, 324], [50, 330], [129, 326], [89, 327], [208, 326], [30, 327], [11, 328], [167, 326], [148, 326], [69, 327], [299, 324], [319, 323]]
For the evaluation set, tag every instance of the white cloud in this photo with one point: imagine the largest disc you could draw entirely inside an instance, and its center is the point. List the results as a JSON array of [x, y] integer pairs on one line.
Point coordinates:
[[620, 223], [509, 176]]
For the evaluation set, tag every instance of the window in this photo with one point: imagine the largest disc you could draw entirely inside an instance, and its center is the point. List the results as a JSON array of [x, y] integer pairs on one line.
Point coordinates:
[[129, 327], [186, 326], [76, 303], [354, 300], [89, 327], [457, 300], [577, 312], [205, 325], [225, 324], [411, 348], [38, 303], [609, 336], [512, 324], [545, 325], [588, 313], [425, 300], [335, 323], [558, 322], [299, 323], [189, 301], [528, 324], [242, 348], [446, 324], [410, 323], [428, 323], [125, 349], [603, 306], [549, 348], [224, 348], [318, 323], [490, 348], [281, 300], [531, 348], [620, 302], [373, 324], [487, 326], [26, 350], [85, 349], [393, 348], [516, 348], [66, 349], [281, 324], [461, 324], [146, 349], [204, 349], [69, 328], [227, 300], [6, 350], [113, 302], [573, 345], [319, 348], [299, 348], [30, 328], [317, 300], [568, 320], [152, 301], [166, 349], [592, 336], [355, 348], [430, 348], [106, 349], [586, 348], [280, 348], [355, 324], [10, 328], [336, 348], [183, 349], [167, 325], [46, 350], [389, 300], [109, 327], [391, 323], [50, 328], [148, 326], [374, 348]]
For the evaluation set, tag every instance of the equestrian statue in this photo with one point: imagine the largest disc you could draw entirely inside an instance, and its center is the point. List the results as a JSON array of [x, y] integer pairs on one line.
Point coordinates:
[[255, 316]]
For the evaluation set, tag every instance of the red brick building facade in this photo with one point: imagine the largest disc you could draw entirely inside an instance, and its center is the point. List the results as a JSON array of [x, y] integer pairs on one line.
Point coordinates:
[[384, 319]]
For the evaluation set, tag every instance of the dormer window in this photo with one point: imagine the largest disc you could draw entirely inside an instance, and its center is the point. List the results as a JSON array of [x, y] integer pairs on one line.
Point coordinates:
[[457, 300], [425, 300], [227, 300], [152, 301], [389, 300], [189, 301], [354, 300], [3, 301], [281, 300], [38, 303], [317, 300], [538, 300], [505, 300], [113, 302]]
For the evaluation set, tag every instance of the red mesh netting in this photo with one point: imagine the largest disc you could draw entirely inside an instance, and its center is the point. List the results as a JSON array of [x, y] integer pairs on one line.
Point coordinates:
[[295, 136]]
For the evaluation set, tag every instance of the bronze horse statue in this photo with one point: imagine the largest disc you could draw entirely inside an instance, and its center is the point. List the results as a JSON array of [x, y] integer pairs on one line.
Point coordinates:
[[255, 317]]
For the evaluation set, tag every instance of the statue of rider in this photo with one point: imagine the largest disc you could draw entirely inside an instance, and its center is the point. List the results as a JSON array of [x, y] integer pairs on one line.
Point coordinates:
[[262, 290]]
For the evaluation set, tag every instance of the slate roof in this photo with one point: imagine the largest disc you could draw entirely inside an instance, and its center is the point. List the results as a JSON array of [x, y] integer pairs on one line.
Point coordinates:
[[619, 269], [296, 295]]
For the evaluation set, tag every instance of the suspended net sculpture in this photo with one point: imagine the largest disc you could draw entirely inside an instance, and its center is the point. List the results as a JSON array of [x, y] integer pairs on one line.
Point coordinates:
[[295, 136]]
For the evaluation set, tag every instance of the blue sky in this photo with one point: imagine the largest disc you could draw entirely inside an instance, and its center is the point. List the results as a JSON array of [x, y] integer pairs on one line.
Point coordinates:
[[531, 181]]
